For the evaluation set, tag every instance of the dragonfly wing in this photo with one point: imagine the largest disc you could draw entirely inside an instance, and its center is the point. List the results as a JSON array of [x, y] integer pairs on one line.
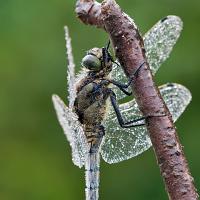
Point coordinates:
[[160, 39], [158, 42], [118, 74], [73, 131], [123, 143], [70, 69], [177, 97]]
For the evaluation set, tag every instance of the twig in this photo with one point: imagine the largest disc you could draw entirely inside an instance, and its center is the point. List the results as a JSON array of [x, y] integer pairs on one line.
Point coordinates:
[[89, 12], [129, 49]]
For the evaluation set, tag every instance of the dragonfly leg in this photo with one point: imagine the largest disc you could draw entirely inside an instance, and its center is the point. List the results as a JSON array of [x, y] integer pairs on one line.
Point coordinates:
[[105, 52], [125, 92], [123, 86], [137, 70], [106, 55], [108, 45], [133, 123]]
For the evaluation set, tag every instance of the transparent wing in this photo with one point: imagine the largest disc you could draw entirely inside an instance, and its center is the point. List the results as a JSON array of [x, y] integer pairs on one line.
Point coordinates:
[[158, 42], [73, 131], [70, 69], [123, 143], [118, 74], [160, 39]]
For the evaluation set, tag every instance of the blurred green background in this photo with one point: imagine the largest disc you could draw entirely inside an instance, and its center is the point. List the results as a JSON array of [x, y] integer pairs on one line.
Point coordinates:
[[35, 158]]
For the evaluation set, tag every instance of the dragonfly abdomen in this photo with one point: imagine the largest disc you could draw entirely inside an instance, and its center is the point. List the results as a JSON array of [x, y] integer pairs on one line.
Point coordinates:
[[94, 135], [92, 175]]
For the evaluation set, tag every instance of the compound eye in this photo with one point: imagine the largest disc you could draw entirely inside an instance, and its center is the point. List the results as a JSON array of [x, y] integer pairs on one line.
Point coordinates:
[[91, 62]]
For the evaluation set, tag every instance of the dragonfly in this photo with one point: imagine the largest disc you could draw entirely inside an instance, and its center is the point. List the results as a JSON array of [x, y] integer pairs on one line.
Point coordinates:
[[92, 123]]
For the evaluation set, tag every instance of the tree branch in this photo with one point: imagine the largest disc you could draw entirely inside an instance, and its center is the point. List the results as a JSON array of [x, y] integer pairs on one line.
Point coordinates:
[[129, 49], [89, 12]]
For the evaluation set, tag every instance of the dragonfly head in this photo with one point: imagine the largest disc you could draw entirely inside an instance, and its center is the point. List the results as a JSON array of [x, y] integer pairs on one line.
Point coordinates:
[[92, 60], [98, 59]]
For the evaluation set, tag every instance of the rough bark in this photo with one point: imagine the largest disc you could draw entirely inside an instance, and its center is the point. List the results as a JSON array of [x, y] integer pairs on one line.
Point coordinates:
[[129, 49], [89, 12]]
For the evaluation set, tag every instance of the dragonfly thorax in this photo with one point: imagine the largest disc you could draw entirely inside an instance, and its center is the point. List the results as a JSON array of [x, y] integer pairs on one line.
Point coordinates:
[[90, 107], [90, 103]]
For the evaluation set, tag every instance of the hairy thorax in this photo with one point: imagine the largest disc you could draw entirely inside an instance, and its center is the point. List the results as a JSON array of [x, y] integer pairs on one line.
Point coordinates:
[[90, 103]]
